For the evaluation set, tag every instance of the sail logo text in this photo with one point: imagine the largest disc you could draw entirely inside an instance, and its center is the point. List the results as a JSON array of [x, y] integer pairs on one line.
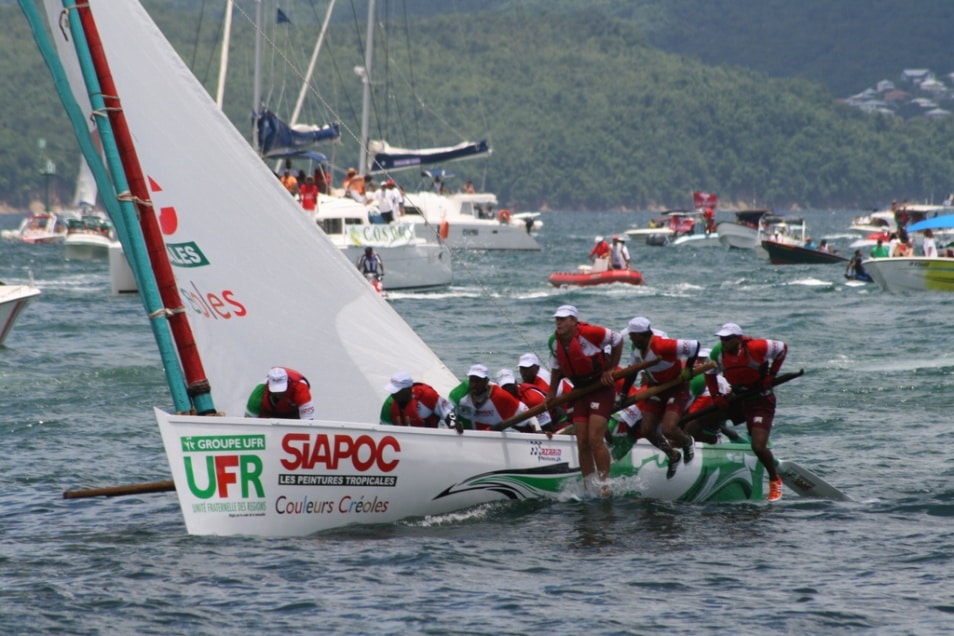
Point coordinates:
[[224, 474], [204, 444], [186, 254], [362, 452], [347, 505], [212, 305]]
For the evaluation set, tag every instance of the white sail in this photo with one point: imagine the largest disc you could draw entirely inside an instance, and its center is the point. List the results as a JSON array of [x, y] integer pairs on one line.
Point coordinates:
[[261, 284]]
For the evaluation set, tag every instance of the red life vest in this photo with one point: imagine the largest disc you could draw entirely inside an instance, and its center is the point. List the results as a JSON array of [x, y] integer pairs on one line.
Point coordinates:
[[298, 393], [742, 370], [423, 397], [582, 369]]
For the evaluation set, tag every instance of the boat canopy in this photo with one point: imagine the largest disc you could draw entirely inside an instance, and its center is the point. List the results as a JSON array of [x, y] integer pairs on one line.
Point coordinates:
[[278, 140], [387, 158], [944, 222]]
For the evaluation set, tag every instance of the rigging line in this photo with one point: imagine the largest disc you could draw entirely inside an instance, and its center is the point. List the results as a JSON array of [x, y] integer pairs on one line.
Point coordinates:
[[195, 40], [413, 84]]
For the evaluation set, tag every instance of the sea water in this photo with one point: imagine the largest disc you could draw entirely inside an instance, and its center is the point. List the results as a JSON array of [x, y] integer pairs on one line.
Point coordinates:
[[79, 376]]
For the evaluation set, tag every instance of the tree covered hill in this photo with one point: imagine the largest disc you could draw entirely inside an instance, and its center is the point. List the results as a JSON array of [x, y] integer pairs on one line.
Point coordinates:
[[581, 107]]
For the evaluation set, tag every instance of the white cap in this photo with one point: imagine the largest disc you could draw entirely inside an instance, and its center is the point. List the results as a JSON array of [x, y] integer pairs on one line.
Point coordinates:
[[704, 353], [478, 370], [505, 377], [598, 239], [277, 380], [729, 329], [639, 324], [565, 311], [400, 380], [529, 360]]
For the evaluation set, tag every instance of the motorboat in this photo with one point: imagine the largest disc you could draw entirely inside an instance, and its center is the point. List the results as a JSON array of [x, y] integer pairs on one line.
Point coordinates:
[[598, 274], [39, 228], [13, 300], [743, 233], [88, 237], [411, 260]]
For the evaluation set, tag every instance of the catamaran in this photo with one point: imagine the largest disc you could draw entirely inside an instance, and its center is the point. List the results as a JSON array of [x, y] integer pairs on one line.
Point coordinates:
[[232, 291]]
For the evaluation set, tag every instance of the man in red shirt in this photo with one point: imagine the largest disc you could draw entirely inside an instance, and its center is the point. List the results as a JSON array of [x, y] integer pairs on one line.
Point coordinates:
[[750, 366], [286, 394], [579, 353]]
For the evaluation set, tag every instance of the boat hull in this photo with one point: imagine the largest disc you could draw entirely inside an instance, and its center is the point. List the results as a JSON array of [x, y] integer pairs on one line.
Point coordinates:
[[287, 478], [413, 266], [86, 246], [915, 273], [787, 254], [589, 279], [696, 240], [13, 300], [737, 235], [121, 277]]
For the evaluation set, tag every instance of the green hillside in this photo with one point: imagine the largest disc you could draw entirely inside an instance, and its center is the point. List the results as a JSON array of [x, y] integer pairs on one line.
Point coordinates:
[[584, 110]]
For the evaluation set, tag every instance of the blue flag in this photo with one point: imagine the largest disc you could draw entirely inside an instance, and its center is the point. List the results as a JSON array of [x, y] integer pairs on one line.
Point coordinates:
[[282, 18]]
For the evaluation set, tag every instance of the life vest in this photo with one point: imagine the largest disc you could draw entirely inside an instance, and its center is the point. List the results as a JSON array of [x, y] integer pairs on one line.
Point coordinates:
[[742, 370], [532, 396], [298, 393], [420, 409], [667, 352], [582, 366]]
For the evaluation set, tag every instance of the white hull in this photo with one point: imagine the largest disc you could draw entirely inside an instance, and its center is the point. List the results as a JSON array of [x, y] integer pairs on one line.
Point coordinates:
[[467, 229], [288, 478], [915, 273], [737, 235], [13, 300], [121, 278], [697, 240], [416, 266], [86, 245]]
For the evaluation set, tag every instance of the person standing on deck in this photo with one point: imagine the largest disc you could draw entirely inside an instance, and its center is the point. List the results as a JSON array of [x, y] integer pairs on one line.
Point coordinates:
[[619, 254], [579, 352], [662, 411], [750, 366]]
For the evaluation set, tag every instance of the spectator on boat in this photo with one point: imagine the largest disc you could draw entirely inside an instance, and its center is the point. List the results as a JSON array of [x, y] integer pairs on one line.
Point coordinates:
[[750, 366], [902, 249], [928, 245], [529, 395], [708, 216], [354, 186], [586, 354], [371, 263], [810, 244], [390, 202], [855, 269], [469, 187], [285, 394], [308, 195], [825, 247], [601, 249], [880, 250], [619, 254], [411, 403], [322, 180], [673, 358], [484, 404], [290, 182]]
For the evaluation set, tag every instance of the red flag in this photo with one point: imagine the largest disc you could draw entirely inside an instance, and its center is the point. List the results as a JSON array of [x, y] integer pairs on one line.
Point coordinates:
[[705, 200]]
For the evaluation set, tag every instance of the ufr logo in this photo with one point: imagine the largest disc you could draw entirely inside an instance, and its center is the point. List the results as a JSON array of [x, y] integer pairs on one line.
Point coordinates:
[[225, 476]]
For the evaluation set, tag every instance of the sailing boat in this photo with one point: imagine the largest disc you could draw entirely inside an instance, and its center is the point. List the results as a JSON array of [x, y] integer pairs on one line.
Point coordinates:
[[467, 219], [262, 289]]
